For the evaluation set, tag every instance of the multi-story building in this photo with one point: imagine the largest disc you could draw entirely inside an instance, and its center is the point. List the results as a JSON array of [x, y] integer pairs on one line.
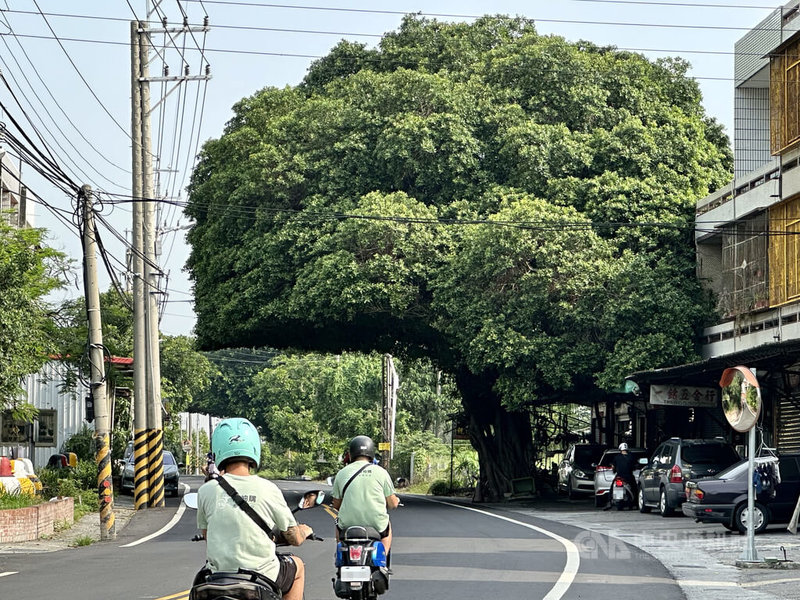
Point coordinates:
[[14, 205], [748, 249]]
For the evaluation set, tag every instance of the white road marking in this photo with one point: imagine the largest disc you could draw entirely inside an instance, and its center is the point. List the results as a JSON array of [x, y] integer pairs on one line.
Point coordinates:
[[8, 573], [165, 528], [573, 555]]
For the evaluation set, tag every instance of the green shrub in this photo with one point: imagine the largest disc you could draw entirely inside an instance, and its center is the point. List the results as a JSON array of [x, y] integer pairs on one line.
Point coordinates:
[[81, 443], [439, 488]]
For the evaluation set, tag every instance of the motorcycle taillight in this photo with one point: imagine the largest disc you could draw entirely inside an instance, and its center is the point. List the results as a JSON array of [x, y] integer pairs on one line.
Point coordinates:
[[356, 552], [619, 482]]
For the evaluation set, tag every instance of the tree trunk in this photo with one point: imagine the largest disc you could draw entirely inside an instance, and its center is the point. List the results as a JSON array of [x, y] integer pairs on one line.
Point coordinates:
[[503, 439]]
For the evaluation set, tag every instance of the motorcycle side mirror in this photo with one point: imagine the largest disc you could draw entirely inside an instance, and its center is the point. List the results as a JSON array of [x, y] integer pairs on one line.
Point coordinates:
[[190, 500], [311, 499], [329, 481]]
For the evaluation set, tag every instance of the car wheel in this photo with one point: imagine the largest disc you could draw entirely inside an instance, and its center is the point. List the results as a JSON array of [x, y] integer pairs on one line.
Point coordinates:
[[663, 506], [598, 501], [761, 517], [570, 492], [643, 508]]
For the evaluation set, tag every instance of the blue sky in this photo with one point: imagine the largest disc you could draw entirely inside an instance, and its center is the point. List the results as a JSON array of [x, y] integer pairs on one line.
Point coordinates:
[[253, 44]]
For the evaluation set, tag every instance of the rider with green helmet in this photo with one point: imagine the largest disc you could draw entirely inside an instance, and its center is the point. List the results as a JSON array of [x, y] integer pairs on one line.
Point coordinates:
[[234, 540]]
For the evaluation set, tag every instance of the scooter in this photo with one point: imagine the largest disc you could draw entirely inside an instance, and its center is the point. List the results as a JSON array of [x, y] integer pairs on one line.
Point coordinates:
[[621, 494], [245, 584], [362, 565]]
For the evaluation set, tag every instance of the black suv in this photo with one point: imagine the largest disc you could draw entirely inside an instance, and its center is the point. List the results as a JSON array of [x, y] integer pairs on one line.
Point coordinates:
[[662, 483]]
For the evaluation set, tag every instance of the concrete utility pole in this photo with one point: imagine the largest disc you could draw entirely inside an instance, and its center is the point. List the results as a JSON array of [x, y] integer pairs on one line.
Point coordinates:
[[148, 428], [141, 493], [97, 365], [155, 446]]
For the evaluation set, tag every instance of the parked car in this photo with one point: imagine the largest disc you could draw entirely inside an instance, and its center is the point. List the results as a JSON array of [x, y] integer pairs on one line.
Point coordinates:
[[723, 498], [576, 471], [171, 474], [604, 472], [662, 482]]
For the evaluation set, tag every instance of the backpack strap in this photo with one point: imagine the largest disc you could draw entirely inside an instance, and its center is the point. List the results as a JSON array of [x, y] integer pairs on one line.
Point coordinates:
[[356, 474], [243, 504]]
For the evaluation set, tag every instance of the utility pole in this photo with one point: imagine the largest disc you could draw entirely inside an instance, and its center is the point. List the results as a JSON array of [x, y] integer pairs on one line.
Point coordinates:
[[102, 431], [155, 445], [148, 428], [141, 494]]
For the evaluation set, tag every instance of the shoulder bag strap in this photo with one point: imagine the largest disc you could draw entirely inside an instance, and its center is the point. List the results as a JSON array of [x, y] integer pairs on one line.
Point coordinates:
[[242, 503], [349, 481]]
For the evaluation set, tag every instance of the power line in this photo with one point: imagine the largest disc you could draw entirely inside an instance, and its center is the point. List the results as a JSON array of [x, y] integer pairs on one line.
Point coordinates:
[[677, 4], [57, 103], [78, 71], [382, 58]]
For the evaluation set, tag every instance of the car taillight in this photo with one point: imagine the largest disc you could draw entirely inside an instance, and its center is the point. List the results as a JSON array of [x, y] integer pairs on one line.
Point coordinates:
[[603, 469], [698, 493], [676, 475], [355, 552]]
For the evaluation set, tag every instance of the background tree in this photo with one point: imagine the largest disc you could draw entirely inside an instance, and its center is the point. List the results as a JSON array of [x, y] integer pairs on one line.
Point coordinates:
[[28, 272], [514, 207]]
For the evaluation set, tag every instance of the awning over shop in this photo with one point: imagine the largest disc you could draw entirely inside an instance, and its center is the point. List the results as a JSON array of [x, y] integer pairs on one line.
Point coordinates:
[[707, 372]]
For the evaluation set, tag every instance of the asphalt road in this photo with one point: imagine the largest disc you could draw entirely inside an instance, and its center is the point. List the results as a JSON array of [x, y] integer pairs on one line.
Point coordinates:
[[442, 550]]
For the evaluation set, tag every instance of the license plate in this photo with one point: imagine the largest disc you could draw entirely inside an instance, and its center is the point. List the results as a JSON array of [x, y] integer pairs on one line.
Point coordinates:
[[619, 493], [355, 574]]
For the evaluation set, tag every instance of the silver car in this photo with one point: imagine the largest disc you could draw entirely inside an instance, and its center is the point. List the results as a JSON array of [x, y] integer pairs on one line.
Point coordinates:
[[576, 471], [604, 472]]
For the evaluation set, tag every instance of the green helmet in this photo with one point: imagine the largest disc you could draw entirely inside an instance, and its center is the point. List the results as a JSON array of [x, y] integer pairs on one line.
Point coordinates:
[[236, 438]]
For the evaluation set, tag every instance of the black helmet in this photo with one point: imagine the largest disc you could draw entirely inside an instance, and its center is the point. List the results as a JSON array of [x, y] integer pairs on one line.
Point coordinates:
[[361, 445]]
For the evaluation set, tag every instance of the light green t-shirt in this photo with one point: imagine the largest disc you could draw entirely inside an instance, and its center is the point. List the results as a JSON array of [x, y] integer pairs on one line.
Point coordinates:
[[364, 502], [233, 539]]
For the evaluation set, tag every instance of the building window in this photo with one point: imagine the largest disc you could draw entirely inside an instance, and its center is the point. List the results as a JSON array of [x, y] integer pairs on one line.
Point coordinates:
[[744, 267], [14, 431], [47, 428], [784, 252], [784, 91]]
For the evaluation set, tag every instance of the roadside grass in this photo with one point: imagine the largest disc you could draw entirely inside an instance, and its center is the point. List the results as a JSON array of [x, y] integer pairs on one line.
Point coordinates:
[[11, 501], [83, 541]]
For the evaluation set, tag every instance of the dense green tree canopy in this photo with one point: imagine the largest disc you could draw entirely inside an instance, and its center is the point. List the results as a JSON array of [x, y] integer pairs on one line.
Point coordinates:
[[514, 206], [28, 272]]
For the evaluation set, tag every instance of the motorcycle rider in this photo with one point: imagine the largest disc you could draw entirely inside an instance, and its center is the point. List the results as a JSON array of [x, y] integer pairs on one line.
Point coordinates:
[[623, 466], [369, 492], [211, 471], [234, 540]]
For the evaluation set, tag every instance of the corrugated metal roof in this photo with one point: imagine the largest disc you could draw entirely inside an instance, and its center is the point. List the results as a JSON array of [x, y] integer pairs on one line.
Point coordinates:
[[707, 372]]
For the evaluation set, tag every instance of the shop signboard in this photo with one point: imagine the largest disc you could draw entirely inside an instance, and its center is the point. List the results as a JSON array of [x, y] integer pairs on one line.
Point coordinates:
[[684, 395]]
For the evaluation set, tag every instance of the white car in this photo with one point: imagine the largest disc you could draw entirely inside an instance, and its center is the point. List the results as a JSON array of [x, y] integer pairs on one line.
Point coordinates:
[[604, 473]]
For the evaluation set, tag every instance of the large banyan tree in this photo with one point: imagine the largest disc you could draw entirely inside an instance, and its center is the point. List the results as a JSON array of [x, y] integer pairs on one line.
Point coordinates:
[[514, 206]]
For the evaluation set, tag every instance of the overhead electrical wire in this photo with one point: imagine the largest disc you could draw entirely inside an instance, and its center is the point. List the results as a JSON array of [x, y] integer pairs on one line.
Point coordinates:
[[318, 56], [52, 96], [78, 71]]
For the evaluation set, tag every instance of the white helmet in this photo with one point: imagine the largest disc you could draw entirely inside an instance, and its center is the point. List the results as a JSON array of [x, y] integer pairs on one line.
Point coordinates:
[[623, 446]]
